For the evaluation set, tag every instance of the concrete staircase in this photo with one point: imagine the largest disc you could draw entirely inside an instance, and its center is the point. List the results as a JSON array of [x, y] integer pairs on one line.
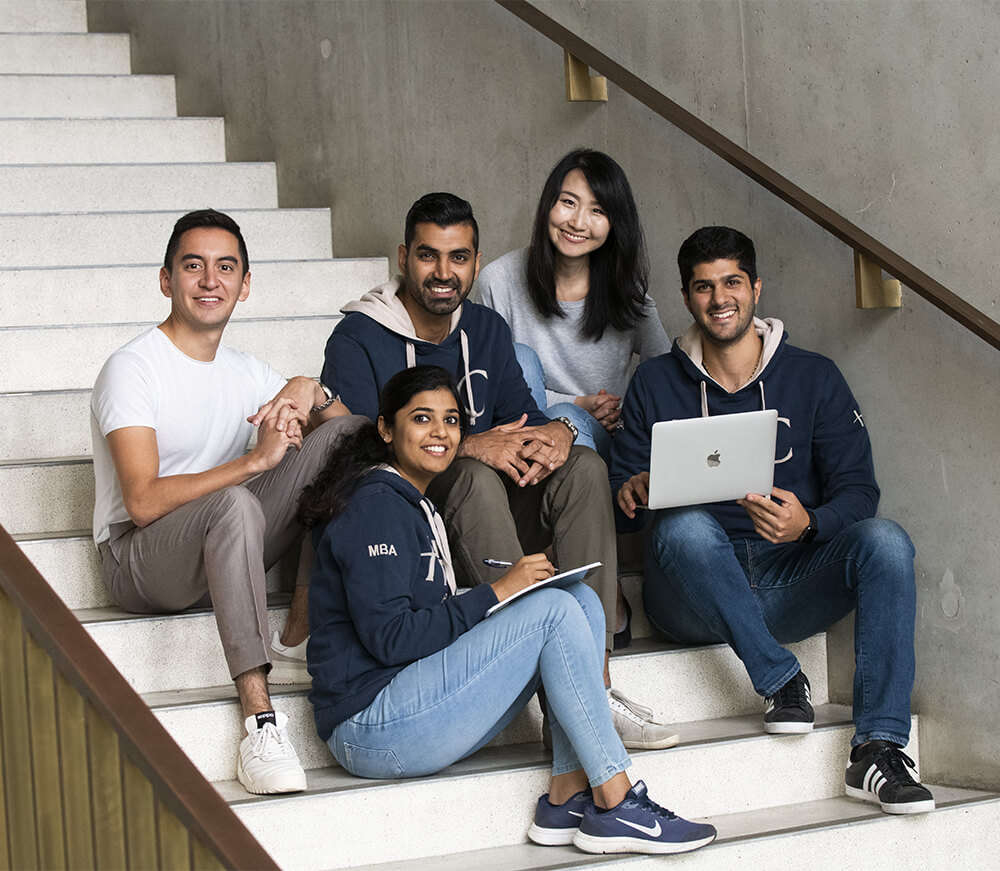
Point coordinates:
[[94, 168]]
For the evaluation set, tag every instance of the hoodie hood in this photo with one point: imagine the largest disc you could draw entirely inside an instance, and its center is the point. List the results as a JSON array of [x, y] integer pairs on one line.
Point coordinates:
[[688, 348], [384, 306], [440, 552]]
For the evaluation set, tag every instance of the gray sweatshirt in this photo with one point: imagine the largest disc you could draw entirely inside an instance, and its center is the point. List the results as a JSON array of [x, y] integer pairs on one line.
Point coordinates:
[[574, 366]]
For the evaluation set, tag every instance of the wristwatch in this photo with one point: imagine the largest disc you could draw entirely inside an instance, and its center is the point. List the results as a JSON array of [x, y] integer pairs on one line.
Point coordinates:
[[809, 533], [330, 399], [572, 428]]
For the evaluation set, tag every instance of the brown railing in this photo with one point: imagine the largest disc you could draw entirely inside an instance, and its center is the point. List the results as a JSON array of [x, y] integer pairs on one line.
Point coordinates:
[[89, 778], [850, 234]]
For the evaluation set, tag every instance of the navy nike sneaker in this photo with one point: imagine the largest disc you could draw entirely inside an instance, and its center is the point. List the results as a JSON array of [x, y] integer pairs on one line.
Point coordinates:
[[639, 825], [557, 824]]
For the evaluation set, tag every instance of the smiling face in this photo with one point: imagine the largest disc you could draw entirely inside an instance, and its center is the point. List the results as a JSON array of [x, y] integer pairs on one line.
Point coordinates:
[[722, 300], [438, 270], [205, 280], [424, 435], [577, 223]]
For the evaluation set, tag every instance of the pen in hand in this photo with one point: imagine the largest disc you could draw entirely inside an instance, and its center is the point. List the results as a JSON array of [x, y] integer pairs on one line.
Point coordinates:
[[497, 563]]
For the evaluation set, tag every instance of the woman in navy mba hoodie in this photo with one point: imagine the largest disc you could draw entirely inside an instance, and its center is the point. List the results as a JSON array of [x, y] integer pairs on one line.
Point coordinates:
[[409, 677]]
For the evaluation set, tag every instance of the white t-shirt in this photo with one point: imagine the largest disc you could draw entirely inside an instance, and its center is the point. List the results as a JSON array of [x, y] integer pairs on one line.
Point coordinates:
[[198, 410]]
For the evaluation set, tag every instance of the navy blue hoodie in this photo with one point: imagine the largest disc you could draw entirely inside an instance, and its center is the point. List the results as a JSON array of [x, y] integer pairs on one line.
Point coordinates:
[[375, 340], [823, 454], [379, 597]]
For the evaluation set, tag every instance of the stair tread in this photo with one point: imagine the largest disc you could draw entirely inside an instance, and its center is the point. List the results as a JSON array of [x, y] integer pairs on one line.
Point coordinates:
[[742, 826], [533, 755]]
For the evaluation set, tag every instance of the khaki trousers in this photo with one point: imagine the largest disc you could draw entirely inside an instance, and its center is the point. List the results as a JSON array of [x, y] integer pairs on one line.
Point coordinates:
[[216, 549]]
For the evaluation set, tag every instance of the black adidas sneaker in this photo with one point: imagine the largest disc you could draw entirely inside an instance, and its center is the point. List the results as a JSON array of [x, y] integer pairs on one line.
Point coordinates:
[[790, 709], [877, 772]]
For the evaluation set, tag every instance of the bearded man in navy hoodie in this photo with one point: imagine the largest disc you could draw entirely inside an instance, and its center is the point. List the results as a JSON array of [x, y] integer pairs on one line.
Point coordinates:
[[519, 484], [776, 568]]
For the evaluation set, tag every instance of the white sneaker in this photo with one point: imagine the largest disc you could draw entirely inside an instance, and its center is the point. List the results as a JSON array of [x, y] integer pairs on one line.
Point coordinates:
[[636, 726], [267, 761], [288, 664]]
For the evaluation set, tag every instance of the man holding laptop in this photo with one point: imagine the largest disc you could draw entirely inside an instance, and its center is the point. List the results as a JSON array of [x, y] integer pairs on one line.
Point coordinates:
[[774, 567]]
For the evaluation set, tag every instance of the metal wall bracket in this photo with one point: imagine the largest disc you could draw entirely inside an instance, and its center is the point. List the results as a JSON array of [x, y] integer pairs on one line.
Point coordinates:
[[581, 86], [874, 291]]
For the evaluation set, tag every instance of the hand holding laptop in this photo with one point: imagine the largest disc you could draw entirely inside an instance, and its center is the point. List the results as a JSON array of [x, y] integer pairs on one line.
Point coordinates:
[[634, 493], [778, 519]]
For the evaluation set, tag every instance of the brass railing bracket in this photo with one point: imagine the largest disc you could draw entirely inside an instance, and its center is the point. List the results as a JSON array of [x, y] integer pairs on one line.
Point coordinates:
[[874, 291], [581, 86]]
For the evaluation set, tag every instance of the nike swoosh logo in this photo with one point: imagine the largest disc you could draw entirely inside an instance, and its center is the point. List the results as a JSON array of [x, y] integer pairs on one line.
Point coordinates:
[[574, 814], [652, 831]]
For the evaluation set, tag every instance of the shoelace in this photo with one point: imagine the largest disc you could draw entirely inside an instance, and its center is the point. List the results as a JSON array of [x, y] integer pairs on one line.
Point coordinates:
[[269, 743], [892, 763], [652, 807], [792, 694]]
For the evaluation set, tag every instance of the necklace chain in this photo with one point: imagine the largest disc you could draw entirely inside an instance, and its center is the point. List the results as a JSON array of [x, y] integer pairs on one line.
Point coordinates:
[[749, 374]]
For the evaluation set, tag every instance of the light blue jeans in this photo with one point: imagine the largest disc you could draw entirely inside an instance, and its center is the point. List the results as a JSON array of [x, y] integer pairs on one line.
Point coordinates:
[[592, 433], [754, 595], [446, 706]]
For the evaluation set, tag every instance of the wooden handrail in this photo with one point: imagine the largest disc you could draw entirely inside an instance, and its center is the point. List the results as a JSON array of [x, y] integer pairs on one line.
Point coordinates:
[[850, 234], [174, 778]]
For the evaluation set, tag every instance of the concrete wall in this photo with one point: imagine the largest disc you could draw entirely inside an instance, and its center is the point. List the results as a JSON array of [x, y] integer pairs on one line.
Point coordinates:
[[882, 108]]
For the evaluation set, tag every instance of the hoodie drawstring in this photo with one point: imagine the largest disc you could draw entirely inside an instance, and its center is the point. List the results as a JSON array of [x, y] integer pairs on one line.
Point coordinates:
[[440, 545], [473, 414], [411, 361]]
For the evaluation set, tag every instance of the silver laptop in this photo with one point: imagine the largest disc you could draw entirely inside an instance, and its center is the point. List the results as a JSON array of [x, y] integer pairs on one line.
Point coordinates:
[[712, 459]]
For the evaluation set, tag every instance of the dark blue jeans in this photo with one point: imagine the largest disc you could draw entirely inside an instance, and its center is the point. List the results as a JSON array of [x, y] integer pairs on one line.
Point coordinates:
[[702, 587]]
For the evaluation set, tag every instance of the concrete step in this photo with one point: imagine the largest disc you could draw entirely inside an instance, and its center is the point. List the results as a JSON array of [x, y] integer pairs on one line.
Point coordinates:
[[137, 187], [64, 53], [47, 496], [35, 16], [124, 238], [70, 564], [671, 679], [87, 96], [74, 355], [377, 821], [824, 835], [111, 140], [117, 294], [161, 652]]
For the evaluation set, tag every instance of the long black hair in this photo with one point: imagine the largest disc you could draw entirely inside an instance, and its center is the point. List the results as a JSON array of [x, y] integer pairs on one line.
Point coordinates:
[[619, 269], [354, 454]]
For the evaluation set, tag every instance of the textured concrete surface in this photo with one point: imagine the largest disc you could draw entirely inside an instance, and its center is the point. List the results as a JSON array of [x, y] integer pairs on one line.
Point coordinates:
[[403, 824], [93, 140], [875, 106], [50, 497], [88, 96], [51, 53], [137, 187], [114, 238]]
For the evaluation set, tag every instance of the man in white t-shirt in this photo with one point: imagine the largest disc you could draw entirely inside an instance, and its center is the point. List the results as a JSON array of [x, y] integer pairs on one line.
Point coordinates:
[[184, 514]]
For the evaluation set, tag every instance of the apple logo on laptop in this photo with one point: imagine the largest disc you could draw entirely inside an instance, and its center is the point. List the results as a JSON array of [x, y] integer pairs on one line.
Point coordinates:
[[713, 459]]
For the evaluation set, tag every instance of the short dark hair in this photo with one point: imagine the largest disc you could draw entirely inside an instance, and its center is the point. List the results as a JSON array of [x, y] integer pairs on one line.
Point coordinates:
[[204, 218], [356, 452], [619, 269], [443, 209], [716, 243]]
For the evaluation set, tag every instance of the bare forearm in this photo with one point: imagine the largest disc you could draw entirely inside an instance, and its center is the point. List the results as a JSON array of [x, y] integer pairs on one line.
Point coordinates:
[[160, 496]]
